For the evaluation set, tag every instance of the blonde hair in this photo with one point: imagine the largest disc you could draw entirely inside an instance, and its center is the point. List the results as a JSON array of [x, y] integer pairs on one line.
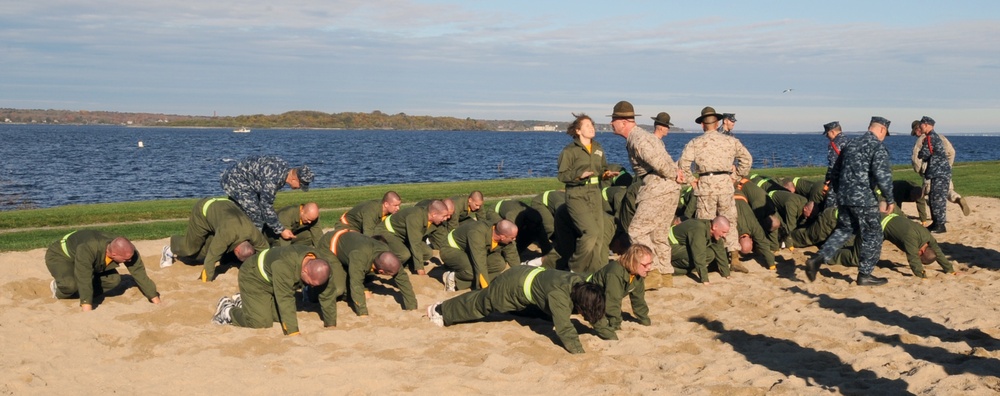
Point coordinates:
[[631, 259]]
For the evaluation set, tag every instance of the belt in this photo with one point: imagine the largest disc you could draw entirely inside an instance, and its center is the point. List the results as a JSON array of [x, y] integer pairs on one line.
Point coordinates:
[[713, 173], [527, 283], [592, 180], [673, 239], [260, 265], [63, 243], [335, 239], [204, 207], [887, 219], [388, 224]]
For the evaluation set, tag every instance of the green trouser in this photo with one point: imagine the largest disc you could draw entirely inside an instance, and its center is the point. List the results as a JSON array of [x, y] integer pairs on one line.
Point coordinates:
[[506, 294], [259, 310], [194, 243], [62, 270], [682, 263], [458, 261], [586, 207]]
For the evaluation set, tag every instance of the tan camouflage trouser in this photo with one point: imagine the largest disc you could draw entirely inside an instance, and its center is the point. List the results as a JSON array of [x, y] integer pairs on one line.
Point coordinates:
[[650, 226]]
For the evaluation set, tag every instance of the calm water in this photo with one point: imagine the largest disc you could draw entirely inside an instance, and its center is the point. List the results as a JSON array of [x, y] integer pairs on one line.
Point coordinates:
[[47, 165]]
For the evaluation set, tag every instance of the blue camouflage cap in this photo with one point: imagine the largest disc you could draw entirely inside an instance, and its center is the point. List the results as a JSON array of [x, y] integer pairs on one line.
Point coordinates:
[[927, 120], [729, 116], [305, 175], [882, 121], [830, 126]]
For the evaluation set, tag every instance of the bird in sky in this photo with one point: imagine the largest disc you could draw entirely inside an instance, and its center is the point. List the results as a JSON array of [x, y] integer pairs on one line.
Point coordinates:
[[787, 90]]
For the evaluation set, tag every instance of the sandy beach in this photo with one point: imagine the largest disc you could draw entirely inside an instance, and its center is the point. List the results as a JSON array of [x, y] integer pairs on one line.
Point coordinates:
[[766, 332]]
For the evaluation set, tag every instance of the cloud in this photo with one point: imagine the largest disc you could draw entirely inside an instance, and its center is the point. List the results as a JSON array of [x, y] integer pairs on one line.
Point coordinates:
[[478, 59]]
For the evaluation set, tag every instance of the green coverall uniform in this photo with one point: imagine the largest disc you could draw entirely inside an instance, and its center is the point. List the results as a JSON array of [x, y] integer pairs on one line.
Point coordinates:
[[517, 289], [816, 232], [305, 234], [404, 232], [216, 226], [363, 217], [692, 249], [356, 253], [618, 283], [79, 265], [585, 204], [268, 281], [908, 236], [470, 253], [747, 224], [527, 219]]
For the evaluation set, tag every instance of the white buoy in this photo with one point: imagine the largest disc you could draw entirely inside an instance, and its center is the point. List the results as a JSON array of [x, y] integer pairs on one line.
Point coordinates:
[[140, 144]]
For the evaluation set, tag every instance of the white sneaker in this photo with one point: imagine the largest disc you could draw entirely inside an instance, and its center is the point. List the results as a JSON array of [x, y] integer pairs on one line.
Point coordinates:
[[434, 316], [52, 287], [166, 257], [535, 262], [237, 300], [449, 281], [222, 310]]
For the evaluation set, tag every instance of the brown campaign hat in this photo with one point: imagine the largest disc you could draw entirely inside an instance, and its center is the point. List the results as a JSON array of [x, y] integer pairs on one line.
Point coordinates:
[[623, 109], [708, 111], [662, 119]]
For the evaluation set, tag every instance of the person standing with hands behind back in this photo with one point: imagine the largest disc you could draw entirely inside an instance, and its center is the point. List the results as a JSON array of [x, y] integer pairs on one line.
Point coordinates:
[[582, 166]]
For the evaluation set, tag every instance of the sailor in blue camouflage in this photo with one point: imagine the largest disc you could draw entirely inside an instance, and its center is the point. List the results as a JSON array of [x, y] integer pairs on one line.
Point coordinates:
[[253, 182], [862, 166], [833, 132], [938, 172], [727, 124]]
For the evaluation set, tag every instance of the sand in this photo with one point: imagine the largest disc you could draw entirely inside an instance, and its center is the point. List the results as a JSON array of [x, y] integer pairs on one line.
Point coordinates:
[[759, 333]]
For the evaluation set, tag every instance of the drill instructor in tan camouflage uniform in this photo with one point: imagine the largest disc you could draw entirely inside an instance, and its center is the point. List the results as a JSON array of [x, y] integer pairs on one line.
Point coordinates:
[[659, 193], [715, 157]]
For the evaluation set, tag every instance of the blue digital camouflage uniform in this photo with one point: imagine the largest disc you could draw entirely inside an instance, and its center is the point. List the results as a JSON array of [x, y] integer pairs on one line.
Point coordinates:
[[939, 173], [862, 166], [252, 183], [832, 153]]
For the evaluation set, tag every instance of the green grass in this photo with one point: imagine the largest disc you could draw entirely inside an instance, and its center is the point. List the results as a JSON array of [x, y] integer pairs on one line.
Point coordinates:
[[35, 228]]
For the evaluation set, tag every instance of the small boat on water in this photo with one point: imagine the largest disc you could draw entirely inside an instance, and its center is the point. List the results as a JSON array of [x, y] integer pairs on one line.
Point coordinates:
[[242, 130]]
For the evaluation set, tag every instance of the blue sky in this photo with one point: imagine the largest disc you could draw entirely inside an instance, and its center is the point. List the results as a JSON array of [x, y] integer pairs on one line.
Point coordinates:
[[525, 60]]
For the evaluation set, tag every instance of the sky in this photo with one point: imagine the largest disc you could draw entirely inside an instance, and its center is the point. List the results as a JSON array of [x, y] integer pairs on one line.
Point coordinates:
[[520, 60]]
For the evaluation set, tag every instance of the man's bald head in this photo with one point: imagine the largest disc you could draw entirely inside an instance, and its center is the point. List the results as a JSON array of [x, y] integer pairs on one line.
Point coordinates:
[[437, 212], [927, 255], [475, 200], [720, 227], [244, 250], [450, 205], [506, 230], [807, 211], [390, 203], [315, 272], [387, 264], [746, 244], [308, 213], [120, 250]]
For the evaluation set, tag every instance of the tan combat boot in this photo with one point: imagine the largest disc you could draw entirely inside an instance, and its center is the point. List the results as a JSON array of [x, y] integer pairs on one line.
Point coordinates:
[[735, 264]]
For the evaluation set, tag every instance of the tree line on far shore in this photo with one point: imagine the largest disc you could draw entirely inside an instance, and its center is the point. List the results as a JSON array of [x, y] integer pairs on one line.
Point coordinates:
[[292, 119]]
